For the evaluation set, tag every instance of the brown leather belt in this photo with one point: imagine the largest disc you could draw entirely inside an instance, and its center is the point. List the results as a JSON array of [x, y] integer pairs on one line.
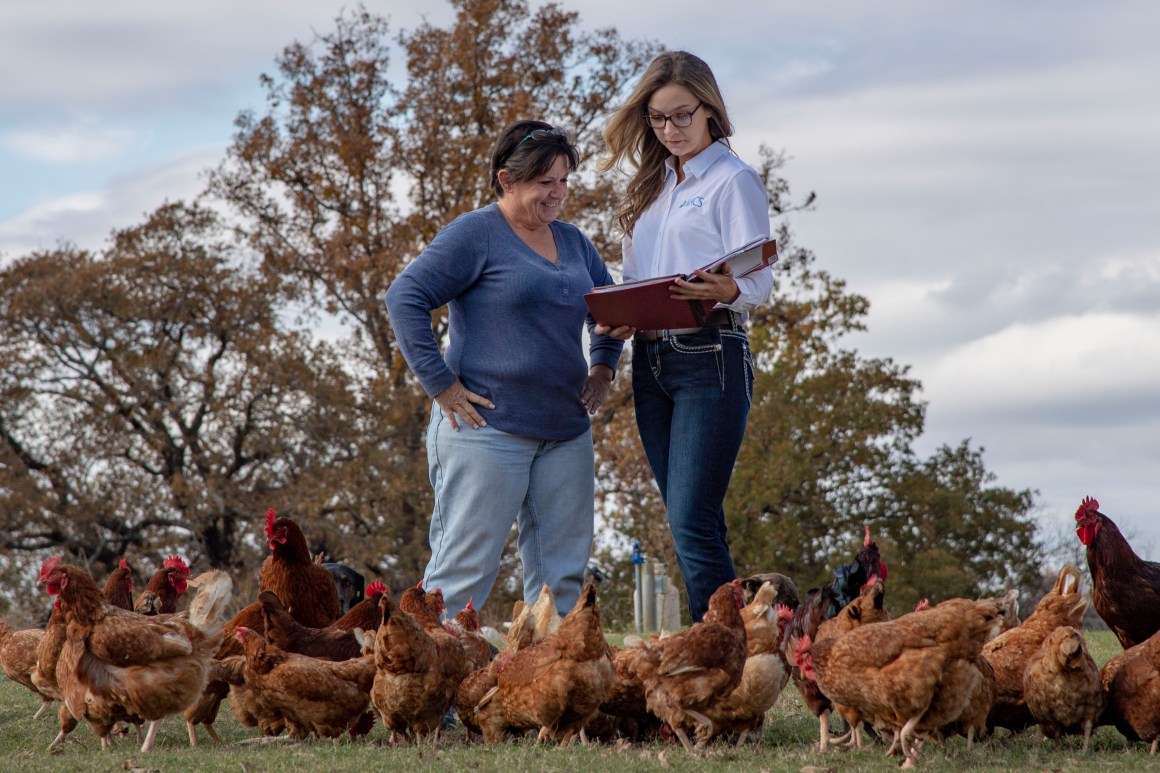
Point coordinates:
[[715, 318]]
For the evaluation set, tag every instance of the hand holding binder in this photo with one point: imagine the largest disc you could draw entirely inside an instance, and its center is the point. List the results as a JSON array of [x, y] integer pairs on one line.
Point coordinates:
[[647, 304]]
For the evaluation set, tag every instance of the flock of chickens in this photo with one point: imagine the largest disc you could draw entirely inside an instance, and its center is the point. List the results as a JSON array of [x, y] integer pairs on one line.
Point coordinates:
[[289, 662]]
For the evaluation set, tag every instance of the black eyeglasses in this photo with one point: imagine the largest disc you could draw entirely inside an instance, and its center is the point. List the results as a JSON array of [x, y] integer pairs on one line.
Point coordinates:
[[680, 120], [543, 134]]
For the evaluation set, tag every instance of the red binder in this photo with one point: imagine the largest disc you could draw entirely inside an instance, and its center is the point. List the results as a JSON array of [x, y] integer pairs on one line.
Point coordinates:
[[647, 305]]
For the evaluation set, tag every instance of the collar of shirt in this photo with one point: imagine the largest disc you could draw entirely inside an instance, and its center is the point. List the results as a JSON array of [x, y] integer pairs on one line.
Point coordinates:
[[699, 164]]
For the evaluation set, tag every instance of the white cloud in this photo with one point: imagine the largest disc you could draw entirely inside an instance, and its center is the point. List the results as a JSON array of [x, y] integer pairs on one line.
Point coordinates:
[[82, 142], [87, 219], [1073, 362]]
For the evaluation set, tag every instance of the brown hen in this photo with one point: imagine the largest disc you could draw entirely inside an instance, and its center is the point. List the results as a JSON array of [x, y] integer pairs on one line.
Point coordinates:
[[117, 665], [1062, 685], [687, 673], [557, 685], [1009, 652]]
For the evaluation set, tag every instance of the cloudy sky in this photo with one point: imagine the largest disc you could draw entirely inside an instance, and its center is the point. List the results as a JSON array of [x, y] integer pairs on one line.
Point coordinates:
[[988, 174]]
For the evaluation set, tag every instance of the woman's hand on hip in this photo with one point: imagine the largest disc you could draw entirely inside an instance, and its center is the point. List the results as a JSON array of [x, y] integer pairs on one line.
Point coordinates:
[[457, 401], [596, 387]]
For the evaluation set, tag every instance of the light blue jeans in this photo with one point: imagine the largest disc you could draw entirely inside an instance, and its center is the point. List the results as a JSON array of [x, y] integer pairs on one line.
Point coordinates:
[[484, 481]]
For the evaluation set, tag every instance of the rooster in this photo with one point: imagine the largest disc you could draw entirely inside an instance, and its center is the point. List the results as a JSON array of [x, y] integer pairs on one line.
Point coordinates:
[[164, 588], [117, 665], [1125, 587], [305, 587]]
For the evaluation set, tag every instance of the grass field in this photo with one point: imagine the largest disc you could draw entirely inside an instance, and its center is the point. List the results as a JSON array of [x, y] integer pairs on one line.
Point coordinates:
[[788, 745]]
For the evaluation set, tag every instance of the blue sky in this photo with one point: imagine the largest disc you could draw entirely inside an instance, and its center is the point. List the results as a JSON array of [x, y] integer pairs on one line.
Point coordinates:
[[987, 175]]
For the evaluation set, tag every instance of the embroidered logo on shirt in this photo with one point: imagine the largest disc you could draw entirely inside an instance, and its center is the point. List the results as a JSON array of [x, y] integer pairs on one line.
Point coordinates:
[[696, 201]]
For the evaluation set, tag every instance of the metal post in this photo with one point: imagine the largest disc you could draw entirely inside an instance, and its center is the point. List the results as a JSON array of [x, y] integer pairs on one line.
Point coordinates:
[[649, 597], [638, 593]]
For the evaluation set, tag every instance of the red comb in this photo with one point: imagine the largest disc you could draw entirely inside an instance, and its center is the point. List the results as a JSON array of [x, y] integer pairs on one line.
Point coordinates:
[[375, 588], [270, 516], [470, 606], [1088, 505], [48, 565], [175, 562], [866, 539], [123, 565], [419, 585]]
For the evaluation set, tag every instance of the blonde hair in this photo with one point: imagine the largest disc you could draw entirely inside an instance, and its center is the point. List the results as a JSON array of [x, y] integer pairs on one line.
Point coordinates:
[[631, 140]]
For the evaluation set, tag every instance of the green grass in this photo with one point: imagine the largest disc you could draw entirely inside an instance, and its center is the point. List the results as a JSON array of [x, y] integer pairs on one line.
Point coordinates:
[[788, 745]]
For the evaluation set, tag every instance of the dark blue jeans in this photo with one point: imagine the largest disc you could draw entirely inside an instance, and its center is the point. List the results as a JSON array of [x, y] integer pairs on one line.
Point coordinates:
[[692, 394]]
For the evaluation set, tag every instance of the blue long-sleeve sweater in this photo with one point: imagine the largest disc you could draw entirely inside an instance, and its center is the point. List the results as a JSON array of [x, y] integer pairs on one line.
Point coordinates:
[[516, 322]]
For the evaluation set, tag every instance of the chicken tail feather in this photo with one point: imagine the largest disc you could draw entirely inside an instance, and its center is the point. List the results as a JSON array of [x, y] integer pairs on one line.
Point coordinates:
[[214, 589]]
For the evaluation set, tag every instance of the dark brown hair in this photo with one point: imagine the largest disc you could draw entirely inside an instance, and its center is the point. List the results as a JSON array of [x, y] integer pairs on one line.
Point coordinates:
[[527, 149]]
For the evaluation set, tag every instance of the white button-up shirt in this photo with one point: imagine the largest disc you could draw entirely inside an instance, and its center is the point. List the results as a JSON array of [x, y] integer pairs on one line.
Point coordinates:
[[721, 205]]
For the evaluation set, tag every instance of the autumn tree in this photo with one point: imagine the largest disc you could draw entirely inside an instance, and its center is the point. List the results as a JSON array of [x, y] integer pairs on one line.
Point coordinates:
[[345, 177], [150, 397]]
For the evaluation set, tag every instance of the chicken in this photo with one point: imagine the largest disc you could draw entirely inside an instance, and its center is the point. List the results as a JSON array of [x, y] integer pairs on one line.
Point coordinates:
[[205, 709], [18, 660], [306, 588], [891, 672], [48, 654], [418, 667], [688, 672], [290, 636], [545, 617], [1062, 685], [979, 685], [766, 670], [465, 627], [334, 642], [117, 665], [118, 589], [311, 696], [1131, 681], [625, 704], [822, 604], [868, 607], [479, 682], [164, 588], [557, 685], [1009, 652], [1125, 588]]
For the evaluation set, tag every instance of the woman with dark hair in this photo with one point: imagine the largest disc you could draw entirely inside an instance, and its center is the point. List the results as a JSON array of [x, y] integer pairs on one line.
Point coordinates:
[[514, 373], [689, 200]]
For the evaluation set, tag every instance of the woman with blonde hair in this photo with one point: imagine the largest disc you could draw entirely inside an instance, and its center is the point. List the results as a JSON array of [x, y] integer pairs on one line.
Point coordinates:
[[689, 200]]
